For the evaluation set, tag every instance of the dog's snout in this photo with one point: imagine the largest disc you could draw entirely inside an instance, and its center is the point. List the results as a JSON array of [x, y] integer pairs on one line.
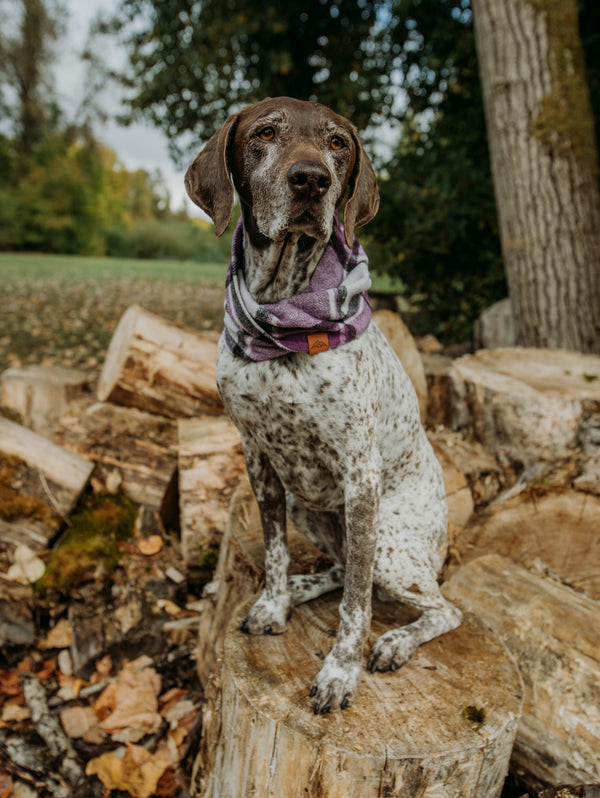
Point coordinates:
[[309, 179]]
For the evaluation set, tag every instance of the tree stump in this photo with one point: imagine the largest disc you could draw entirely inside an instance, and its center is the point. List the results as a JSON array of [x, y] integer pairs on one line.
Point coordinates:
[[160, 367], [442, 726], [39, 485], [40, 394], [529, 404], [553, 632]]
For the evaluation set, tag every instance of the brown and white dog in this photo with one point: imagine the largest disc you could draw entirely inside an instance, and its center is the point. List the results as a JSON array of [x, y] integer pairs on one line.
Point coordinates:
[[334, 437]]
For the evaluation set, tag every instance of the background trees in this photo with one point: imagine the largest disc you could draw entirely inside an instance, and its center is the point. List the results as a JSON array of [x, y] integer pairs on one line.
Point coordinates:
[[61, 190], [404, 70]]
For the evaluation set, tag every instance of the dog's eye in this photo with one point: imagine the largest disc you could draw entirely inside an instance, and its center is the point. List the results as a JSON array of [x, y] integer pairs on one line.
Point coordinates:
[[337, 143], [267, 133]]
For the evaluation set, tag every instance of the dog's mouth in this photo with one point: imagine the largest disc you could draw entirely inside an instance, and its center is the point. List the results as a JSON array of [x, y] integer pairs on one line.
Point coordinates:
[[309, 217]]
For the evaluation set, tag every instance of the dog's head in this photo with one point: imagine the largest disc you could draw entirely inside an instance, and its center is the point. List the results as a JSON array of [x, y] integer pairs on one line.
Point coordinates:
[[291, 163]]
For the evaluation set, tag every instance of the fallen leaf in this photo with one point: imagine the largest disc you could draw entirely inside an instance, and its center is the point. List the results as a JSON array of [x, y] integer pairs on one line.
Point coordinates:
[[10, 684], [168, 785], [6, 785], [132, 701], [168, 606], [134, 770], [12, 713], [150, 545], [65, 663], [27, 566], [81, 722], [103, 670], [178, 711], [47, 670], [60, 636]]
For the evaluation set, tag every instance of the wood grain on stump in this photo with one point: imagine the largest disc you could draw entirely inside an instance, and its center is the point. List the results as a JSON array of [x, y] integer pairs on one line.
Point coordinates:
[[441, 726]]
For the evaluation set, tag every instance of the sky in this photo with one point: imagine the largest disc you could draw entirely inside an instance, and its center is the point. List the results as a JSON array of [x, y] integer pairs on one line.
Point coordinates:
[[139, 146]]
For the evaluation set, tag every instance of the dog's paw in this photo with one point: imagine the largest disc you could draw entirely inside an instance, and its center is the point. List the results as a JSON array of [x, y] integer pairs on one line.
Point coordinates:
[[268, 616], [334, 686], [392, 650]]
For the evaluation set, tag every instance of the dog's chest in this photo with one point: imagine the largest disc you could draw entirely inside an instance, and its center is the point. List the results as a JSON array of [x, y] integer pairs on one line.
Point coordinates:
[[301, 411]]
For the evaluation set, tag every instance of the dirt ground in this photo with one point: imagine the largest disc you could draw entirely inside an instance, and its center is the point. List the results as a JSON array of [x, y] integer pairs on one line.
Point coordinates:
[[71, 325]]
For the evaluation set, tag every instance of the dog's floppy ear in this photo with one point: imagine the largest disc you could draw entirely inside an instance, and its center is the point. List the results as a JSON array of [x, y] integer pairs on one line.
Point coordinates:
[[363, 202], [207, 180]]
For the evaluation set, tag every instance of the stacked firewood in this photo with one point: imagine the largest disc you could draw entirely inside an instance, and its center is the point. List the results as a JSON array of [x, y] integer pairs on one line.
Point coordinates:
[[518, 435]]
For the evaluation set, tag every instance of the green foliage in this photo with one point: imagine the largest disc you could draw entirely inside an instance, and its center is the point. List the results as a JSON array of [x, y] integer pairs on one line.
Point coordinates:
[[192, 62], [436, 227], [71, 195], [176, 239]]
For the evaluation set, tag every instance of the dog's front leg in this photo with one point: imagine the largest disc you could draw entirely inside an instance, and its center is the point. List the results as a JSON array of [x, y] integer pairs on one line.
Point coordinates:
[[336, 683], [270, 613]]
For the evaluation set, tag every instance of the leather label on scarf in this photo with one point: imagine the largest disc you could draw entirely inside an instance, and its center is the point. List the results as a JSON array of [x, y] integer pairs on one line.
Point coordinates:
[[318, 342]]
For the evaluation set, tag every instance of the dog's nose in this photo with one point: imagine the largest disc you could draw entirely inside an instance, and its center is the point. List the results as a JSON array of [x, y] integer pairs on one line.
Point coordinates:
[[309, 179]]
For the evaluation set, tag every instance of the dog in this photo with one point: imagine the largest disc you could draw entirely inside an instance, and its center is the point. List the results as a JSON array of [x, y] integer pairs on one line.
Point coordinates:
[[329, 420]]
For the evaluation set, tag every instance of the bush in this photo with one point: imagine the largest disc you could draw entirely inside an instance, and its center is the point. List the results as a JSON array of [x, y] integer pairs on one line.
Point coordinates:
[[174, 239]]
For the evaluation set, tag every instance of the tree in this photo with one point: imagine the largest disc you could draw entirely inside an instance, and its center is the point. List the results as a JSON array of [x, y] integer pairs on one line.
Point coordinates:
[[192, 62], [437, 224], [545, 167], [25, 56]]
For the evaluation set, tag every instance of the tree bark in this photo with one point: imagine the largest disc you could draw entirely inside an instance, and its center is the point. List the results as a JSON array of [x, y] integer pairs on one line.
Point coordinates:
[[545, 168]]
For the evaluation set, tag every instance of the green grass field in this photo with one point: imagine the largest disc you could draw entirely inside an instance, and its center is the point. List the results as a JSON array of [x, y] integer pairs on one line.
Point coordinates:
[[17, 266]]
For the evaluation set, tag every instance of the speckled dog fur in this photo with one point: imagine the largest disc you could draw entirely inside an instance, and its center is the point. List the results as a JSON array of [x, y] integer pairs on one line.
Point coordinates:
[[333, 439]]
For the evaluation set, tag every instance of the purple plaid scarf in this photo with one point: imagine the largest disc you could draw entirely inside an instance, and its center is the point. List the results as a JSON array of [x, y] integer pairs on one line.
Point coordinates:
[[332, 310]]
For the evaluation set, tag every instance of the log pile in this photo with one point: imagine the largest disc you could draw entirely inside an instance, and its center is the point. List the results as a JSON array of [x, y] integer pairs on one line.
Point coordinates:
[[516, 432]]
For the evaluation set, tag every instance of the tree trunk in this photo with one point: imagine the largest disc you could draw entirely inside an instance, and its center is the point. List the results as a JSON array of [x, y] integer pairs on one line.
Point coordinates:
[[442, 726], [545, 167]]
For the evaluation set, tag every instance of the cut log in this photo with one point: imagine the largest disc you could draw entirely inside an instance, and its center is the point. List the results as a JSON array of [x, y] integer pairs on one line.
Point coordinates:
[[495, 327], [458, 492], [482, 472], [39, 395], [554, 634], [140, 447], [403, 344], [528, 404], [39, 485], [437, 373], [210, 465], [443, 725], [160, 368], [557, 529]]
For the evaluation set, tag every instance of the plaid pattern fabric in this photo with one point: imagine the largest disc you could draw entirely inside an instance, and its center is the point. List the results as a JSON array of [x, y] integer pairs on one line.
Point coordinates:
[[335, 305]]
